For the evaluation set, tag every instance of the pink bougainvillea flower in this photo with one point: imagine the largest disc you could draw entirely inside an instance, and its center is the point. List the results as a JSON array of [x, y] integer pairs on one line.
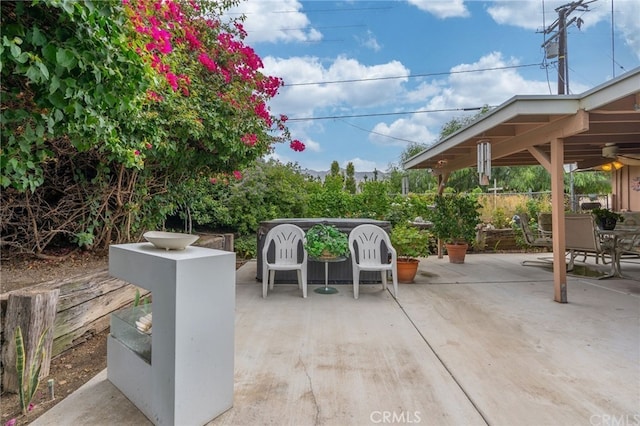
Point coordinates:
[[296, 145], [11, 422], [237, 175], [213, 181], [136, 152], [153, 96], [31, 406], [249, 139], [148, 145], [172, 79]]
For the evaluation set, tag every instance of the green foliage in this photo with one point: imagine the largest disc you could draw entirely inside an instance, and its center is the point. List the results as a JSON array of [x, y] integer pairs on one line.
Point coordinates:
[[403, 209], [592, 182], [607, 214], [350, 181], [246, 246], [455, 217], [67, 71], [372, 202], [326, 240], [499, 218], [409, 241], [28, 378]]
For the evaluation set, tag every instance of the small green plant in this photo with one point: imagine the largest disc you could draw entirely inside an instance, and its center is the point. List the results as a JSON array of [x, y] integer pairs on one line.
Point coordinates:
[[409, 241], [324, 240], [246, 246], [29, 387], [137, 300], [84, 239], [455, 217], [606, 219], [499, 218], [606, 214]]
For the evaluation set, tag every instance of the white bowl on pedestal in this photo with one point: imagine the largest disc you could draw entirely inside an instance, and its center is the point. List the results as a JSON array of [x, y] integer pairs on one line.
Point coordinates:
[[170, 240]]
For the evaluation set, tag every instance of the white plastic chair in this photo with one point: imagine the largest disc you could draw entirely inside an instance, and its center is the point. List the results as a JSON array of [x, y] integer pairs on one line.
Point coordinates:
[[286, 238], [366, 255]]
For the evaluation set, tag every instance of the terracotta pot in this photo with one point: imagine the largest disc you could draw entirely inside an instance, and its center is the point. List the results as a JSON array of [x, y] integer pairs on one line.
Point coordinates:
[[456, 252], [407, 269]]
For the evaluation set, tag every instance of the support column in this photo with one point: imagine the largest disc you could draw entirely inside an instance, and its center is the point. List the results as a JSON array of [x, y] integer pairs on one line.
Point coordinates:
[[557, 218]]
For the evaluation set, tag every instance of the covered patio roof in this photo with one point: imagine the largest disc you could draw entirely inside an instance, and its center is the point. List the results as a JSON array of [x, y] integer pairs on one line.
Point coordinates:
[[551, 131], [521, 129]]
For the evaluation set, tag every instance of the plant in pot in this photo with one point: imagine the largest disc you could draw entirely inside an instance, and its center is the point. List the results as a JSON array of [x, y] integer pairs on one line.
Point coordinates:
[[410, 243], [325, 241], [455, 217], [606, 219]]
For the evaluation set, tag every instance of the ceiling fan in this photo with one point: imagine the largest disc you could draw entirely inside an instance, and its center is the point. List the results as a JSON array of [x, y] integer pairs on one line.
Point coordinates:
[[611, 152]]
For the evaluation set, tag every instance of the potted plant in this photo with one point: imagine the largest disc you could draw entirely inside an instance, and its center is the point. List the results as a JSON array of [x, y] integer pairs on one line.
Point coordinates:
[[607, 219], [455, 217], [410, 242], [326, 241]]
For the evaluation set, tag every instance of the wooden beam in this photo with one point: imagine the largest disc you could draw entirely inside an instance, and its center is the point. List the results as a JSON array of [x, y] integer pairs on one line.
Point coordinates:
[[557, 220], [542, 157], [562, 128]]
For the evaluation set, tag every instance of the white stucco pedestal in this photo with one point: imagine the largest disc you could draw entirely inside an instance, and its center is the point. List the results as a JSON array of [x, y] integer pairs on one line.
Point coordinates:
[[190, 378]]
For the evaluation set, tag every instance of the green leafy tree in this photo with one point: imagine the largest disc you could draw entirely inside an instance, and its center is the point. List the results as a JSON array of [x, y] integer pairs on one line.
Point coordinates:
[[420, 180], [350, 181], [117, 110]]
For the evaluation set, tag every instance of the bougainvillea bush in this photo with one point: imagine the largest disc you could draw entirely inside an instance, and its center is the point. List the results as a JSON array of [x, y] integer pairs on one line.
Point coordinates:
[[113, 111]]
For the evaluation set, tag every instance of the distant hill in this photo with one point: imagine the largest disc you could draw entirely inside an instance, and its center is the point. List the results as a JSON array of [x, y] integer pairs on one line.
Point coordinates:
[[360, 176]]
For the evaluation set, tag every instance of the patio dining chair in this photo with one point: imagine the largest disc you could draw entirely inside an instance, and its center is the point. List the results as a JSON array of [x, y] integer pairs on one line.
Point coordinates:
[[581, 236], [287, 241], [533, 240], [530, 236], [365, 244]]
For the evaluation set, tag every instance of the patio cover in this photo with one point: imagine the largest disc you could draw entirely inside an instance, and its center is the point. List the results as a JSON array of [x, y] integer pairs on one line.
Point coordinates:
[[551, 130]]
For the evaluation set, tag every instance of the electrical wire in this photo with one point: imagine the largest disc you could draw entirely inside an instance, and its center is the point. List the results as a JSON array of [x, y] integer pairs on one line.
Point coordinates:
[[381, 114], [435, 74]]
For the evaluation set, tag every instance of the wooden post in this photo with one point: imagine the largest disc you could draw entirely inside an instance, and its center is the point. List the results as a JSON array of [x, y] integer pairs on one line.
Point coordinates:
[[557, 216], [34, 313]]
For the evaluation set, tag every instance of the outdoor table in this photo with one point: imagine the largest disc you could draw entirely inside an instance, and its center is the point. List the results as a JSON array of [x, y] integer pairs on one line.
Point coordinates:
[[326, 289], [622, 240]]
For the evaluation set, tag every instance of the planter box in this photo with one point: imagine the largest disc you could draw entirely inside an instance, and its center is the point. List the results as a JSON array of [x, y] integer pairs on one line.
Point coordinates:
[[497, 240]]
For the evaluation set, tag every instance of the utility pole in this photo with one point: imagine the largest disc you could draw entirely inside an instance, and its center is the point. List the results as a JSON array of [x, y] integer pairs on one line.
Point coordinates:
[[559, 38]]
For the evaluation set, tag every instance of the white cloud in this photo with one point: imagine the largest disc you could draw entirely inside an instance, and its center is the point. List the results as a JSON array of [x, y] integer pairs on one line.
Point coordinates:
[[442, 8], [458, 91], [401, 132], [361, 165], [312, 145], [305, 100], [275, 21], [628, 22], [370, 42]]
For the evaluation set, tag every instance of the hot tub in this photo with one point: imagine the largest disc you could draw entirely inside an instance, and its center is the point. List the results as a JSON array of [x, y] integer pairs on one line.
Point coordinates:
[[339, 272]]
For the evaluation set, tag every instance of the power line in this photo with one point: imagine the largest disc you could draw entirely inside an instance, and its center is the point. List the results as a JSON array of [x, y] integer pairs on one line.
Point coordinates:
[[334, 117], [435, 74], [305, 28], [377, 133]]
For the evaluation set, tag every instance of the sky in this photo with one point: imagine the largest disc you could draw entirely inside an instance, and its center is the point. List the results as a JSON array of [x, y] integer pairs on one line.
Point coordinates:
[[364, 79]]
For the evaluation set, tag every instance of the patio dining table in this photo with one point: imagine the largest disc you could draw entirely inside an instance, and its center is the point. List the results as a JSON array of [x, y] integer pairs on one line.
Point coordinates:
[[622, 240]]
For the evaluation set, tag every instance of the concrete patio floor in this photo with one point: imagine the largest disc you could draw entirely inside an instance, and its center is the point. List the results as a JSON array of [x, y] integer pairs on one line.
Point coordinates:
[[471, 344]]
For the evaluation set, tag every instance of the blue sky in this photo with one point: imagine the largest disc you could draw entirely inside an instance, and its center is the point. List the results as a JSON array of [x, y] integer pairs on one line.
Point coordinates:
[[419, 55]]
